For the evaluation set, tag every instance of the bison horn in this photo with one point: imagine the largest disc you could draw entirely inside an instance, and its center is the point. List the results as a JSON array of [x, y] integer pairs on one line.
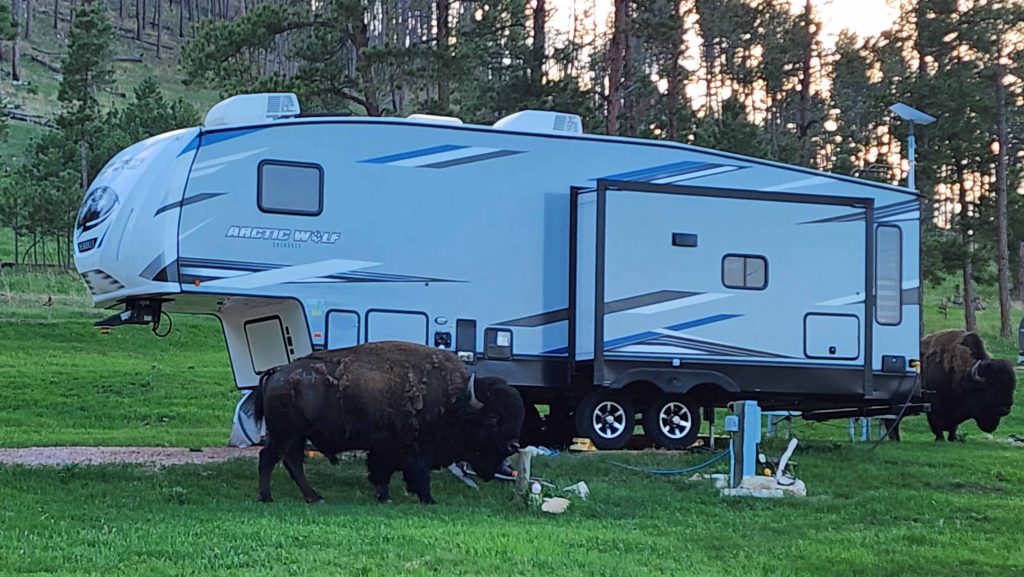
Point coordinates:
[[974, 373], [471, 391]]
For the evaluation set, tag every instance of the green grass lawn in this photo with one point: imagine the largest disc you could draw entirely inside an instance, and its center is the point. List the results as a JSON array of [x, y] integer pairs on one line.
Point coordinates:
[[913, 508]]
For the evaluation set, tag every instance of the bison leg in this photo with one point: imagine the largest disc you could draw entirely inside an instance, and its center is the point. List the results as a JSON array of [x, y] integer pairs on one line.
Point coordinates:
[[416, 473], [380, 469], [936, 422], [269, 457], [952, 434], [293, 462]]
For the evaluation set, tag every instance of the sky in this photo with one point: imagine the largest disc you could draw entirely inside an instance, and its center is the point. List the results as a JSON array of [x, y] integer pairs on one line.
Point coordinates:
[[865, 17]]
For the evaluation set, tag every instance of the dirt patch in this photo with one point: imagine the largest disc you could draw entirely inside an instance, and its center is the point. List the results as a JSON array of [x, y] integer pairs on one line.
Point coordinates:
[[156, 456]]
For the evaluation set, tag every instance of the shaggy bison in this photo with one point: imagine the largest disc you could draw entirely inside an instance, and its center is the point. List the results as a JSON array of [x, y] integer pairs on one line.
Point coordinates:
[[965, 382], [413, 408]]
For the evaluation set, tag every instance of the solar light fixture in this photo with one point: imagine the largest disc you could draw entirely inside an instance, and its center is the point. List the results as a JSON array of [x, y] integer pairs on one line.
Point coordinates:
[[913, 116]]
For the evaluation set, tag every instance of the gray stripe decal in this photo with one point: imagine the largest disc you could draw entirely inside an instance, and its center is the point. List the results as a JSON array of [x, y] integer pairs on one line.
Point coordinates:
[[616, 306], [882, 212], [538, 320], [152, 268], [474, 158], [911, 296], [654, 298], [711, 348], [187, 201]]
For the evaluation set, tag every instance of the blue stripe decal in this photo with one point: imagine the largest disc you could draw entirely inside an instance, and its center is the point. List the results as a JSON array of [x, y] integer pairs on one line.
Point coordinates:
[[192, 145], [414, 154], [701, 322], [215, 137]]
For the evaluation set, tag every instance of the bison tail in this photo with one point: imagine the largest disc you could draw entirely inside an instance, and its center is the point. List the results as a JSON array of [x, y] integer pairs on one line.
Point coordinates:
[[257, 409]]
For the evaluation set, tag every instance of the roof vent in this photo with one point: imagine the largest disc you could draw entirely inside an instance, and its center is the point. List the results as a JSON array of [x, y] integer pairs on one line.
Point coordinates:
[[542, 121], [435, 118], [252, 109]]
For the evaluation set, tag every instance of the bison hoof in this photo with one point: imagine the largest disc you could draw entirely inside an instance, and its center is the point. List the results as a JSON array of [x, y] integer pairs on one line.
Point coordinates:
[[314, 500], [266, 500], [428, 500]]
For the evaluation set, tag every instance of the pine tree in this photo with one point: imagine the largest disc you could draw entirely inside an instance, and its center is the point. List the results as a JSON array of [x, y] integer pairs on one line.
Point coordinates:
[[86, 69]]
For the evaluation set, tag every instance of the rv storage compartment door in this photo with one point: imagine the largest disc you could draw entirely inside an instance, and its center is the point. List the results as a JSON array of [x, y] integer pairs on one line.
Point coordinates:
[[828, 336], [396, 326], [342, 329], [267, 346]]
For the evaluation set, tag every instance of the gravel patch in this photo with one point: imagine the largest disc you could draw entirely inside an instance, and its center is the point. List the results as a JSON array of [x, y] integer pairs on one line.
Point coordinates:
[[156, 456]]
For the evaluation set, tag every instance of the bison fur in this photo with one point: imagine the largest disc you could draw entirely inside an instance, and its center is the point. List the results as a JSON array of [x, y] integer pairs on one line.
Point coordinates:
[[413, 408], [964, 382]]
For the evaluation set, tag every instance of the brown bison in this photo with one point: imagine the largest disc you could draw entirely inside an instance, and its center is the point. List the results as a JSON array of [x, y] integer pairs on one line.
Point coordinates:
[[413, 408], [964, 382]]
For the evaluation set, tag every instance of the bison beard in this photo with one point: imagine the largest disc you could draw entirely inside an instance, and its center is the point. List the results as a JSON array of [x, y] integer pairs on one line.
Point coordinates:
[[413, 408], [965, 382]]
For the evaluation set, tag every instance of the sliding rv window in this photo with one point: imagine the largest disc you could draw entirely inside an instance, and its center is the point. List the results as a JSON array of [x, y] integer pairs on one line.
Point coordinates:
[[745, 271], [290, 188], [888, 275]]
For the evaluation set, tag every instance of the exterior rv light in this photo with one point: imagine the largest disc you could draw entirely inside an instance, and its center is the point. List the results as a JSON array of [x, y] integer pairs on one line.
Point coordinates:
[[911, 115]]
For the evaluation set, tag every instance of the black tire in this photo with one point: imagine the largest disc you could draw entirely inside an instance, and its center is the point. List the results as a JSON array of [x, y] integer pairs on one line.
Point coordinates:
[[672, 421], [607, 418]]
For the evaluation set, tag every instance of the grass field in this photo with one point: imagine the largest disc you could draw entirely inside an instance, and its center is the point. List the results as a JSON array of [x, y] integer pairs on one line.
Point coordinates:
[[914, 508]]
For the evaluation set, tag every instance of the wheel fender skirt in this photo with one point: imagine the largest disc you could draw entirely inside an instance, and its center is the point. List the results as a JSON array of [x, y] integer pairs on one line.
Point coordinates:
[[675, 380]]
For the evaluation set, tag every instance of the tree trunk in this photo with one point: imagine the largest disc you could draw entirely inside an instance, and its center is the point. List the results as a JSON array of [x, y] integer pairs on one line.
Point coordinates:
[[159, 27], [29, 9], [1003, 250], [1020, 271], [56, 13], [803, 111], [120, 10], [616, 57], [967, 250], [139, 24], [676, 80], [181, 18], [630, 103], [537, 50], [16, 15], [83, 148], [443, 13]]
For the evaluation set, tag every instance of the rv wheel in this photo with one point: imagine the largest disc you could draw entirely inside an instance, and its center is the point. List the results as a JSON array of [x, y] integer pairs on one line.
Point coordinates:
[[607, 418], [672, 421]]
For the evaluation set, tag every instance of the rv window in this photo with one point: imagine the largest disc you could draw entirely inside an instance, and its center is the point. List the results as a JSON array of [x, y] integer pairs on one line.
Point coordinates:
[[290, 188], [740, 271], [888, 275]]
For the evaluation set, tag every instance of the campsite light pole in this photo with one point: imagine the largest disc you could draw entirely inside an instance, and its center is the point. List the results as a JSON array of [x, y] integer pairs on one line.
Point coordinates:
[[911, 115]]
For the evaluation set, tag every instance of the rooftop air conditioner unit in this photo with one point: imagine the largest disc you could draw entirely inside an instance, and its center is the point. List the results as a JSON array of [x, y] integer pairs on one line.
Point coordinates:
[[252, 109]]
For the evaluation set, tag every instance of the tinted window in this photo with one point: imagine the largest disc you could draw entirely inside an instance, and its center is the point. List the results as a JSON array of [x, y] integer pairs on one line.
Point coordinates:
[[888, 276], [745, 272], [291, 188]]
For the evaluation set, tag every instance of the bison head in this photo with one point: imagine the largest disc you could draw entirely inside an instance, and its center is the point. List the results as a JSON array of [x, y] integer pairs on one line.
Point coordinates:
[[992, 396], [491, 422]]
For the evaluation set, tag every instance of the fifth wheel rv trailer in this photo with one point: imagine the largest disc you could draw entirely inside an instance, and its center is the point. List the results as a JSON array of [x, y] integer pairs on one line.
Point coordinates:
[[607, 277]]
